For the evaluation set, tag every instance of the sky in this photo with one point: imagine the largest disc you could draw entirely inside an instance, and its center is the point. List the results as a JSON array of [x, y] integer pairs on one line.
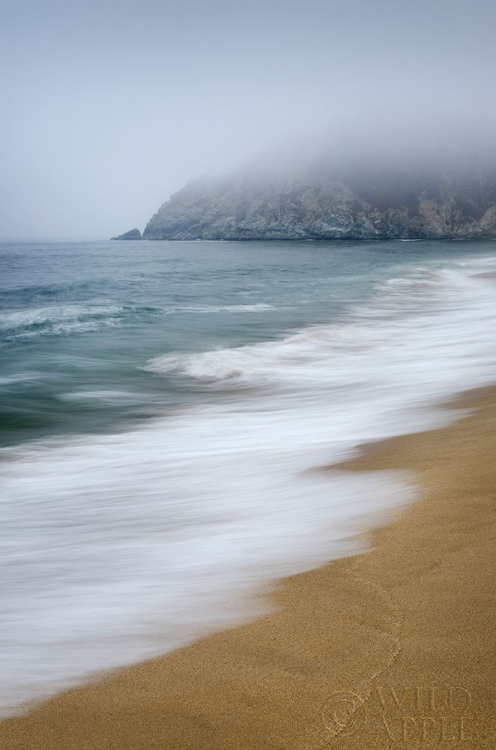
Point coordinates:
[[109, 107]]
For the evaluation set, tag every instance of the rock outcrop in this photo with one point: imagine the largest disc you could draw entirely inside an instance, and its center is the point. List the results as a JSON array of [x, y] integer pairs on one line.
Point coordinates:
[[133, 234], [320, 202]]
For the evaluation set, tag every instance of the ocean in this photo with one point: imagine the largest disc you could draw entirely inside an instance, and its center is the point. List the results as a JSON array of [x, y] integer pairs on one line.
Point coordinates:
[[165, 411]]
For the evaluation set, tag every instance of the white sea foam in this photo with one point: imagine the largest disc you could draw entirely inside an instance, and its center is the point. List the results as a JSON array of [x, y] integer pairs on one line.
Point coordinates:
[[58, 319], [63, 319], [126, 545], [55, 314], [21, 377], [414, 323]]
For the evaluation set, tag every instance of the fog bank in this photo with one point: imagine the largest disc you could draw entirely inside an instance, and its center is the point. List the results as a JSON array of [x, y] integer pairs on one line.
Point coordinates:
[[111, 107]]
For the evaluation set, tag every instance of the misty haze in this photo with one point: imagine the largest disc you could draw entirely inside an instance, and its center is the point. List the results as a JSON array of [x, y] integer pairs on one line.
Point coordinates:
[[109, 109]]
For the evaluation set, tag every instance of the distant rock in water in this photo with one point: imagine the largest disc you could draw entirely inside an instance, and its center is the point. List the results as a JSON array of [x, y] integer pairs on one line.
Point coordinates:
[[330, 201], [133, 234]]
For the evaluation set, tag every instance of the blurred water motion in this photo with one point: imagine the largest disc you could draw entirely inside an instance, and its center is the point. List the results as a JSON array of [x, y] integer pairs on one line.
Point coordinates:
[[162, 408]]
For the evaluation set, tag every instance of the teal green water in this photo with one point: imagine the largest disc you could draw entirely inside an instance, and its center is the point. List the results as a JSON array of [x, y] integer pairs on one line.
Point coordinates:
[[78, 321]]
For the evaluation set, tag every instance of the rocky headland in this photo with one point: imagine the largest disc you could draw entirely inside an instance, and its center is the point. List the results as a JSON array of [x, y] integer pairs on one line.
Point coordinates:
[[351, 198], [133, 234]]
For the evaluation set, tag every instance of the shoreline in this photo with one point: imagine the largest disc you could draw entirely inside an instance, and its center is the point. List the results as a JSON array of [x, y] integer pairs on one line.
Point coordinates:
[[387, 648]]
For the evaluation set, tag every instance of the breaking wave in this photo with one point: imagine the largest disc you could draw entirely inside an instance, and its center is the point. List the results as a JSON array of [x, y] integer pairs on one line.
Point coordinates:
[[61, 319], [410, 319], [122, 546]]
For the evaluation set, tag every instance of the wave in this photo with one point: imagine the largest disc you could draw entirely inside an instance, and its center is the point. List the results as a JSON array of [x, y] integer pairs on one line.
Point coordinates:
[[119, 547], [347, 352], [63, 319]]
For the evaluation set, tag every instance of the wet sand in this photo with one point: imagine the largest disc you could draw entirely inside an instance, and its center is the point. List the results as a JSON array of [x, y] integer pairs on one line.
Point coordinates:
[[392, 648]]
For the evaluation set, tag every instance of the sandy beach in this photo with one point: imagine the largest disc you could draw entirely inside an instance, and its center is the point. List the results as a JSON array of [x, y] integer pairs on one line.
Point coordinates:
[[392, 648]]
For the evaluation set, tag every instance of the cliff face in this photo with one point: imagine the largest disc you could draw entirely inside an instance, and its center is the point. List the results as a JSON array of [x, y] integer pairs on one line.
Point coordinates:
[[320, 203]]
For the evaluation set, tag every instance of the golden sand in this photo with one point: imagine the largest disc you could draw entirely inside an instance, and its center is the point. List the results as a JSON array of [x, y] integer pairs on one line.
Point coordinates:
[[393, 648]]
